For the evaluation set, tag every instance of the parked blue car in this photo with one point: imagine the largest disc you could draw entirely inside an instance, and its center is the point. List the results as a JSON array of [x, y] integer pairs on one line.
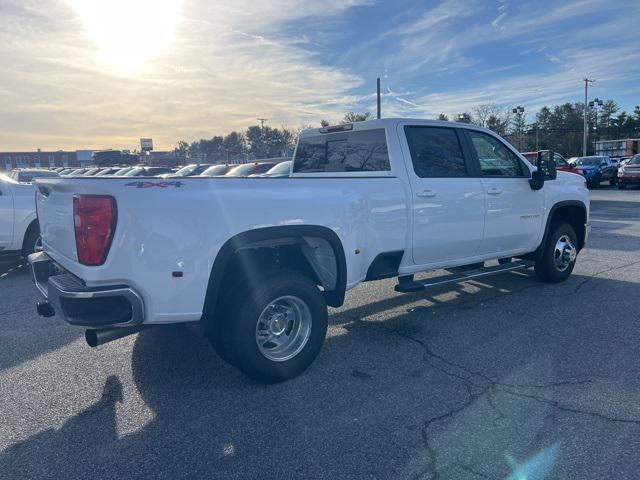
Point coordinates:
[[598, 169]]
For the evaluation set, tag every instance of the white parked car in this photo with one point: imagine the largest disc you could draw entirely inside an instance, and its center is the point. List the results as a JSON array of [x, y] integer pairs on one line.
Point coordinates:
[[257, 261], [19, 232]]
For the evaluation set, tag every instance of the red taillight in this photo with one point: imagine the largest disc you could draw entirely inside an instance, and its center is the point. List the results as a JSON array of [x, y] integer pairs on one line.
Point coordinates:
[[94, 218]]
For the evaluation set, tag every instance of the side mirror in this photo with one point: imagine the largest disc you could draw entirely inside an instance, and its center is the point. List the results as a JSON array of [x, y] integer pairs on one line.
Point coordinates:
[[547, 169]]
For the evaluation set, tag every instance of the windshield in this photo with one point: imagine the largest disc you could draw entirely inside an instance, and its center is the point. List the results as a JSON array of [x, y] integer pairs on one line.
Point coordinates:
[[262, 168], [5, 178], [242, 170], [186, 171], [215, 170], [281, 169], [29, 176], [590, 161], [133, 172]]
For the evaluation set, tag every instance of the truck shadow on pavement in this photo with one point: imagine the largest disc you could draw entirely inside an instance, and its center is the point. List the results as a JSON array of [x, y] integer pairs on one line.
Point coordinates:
[[23, 334], [461, 388]]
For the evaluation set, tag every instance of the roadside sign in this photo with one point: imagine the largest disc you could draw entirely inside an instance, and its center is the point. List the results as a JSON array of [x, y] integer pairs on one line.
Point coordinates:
[[146, 144]]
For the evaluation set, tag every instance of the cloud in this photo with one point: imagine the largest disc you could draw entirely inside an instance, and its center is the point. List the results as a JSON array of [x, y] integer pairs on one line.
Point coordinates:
[[225, 65], [533, 90], [448, 50]]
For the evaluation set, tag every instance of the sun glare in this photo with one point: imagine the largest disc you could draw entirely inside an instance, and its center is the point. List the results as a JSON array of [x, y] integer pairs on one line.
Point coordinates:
[[129, 32]]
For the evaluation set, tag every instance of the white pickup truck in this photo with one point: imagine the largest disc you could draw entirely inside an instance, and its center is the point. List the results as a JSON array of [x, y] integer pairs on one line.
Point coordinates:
[[19, 233], [257, 260]]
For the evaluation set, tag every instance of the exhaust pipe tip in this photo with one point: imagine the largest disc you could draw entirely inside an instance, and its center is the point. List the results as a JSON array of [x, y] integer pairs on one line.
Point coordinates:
[[91, 336], [95, 338]]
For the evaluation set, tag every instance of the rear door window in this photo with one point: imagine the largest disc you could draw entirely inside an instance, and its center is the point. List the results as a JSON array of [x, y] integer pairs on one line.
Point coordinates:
[[436, 152], [359, 151]]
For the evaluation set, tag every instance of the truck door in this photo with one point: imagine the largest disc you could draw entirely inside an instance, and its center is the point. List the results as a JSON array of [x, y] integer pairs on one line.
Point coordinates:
[[6, 216], [514, 212], [448, 203]]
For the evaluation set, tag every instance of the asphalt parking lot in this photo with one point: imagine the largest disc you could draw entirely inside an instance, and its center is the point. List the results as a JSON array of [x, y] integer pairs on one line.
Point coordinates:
[[506, 378]]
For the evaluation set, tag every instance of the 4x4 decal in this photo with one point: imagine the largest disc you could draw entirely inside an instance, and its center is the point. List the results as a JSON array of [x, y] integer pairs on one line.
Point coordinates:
[[148, 184]]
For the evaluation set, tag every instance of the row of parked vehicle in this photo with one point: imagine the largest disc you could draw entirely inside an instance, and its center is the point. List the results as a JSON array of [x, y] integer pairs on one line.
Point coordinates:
[[268, 168], [596, 169]]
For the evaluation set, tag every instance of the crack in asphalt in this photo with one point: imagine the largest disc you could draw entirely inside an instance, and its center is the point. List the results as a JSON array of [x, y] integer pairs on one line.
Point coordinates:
[[431, 469], [564, 408], [429, 354], [601, 272], [484, 383], [490, 385]]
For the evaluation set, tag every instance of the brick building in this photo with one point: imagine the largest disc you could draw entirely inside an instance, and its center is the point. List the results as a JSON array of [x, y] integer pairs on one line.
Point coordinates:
[[618, 148], [38, 159]]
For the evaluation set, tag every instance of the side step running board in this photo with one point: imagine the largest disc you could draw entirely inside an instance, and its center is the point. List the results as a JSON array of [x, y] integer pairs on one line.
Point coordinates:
[[418, 286]]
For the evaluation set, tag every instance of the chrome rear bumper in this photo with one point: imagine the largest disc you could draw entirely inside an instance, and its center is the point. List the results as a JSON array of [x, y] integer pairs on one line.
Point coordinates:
[[92, 307]]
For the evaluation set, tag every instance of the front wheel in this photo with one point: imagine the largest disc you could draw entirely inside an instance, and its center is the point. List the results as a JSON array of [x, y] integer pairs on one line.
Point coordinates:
[[559, 253], [622, 186], [613, 181], [278, 328]]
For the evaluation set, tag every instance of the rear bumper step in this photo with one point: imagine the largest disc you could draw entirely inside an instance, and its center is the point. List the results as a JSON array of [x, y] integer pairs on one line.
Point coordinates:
[[420, 285], [92, 307]]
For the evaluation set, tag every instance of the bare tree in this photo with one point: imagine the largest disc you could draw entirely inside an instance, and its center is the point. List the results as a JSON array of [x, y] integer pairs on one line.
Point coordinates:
[[352, 117], [483, 112]]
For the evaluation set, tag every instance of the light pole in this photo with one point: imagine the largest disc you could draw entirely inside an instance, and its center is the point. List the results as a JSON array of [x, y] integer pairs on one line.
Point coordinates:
[[587, 81], [595, 103], [379, 99], [262, 120], [519, 111]]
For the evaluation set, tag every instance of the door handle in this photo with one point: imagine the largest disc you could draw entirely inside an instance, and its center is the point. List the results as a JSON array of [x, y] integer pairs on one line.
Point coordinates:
[[494, 191], [426, 194]]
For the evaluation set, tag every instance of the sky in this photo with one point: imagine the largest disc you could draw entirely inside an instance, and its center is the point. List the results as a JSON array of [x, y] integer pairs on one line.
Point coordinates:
[[103, 73]]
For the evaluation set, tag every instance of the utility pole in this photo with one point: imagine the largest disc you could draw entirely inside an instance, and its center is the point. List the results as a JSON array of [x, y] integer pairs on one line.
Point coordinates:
[[587, 81], [379, 102], [262, 120]]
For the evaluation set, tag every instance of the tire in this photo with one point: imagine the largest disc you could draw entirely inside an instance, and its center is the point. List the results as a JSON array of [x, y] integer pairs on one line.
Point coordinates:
[[31, 241], [226, 314], [614, 181], [552, 266], [279, 302], [622, 186]]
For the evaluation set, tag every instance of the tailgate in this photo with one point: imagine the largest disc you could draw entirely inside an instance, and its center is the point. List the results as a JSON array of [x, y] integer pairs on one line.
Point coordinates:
[[54, 202]]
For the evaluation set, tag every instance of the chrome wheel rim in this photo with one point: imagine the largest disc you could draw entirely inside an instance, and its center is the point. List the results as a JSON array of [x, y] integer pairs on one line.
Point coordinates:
[[564, 253], [283, 328]]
